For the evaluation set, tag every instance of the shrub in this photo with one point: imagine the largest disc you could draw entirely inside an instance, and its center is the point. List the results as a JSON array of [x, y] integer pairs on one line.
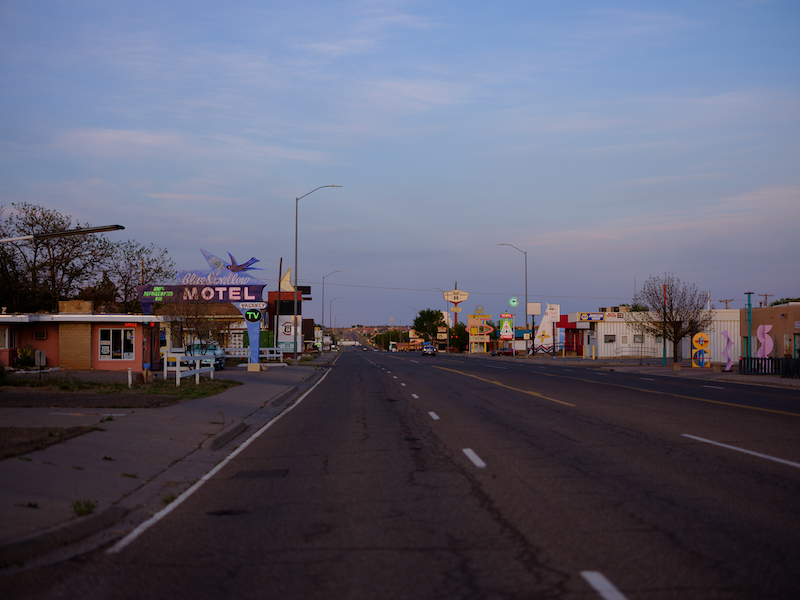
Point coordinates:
[[26, 356]]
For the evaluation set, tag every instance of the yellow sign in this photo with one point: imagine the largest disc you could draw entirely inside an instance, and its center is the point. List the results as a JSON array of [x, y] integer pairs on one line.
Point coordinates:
[[701, 340]]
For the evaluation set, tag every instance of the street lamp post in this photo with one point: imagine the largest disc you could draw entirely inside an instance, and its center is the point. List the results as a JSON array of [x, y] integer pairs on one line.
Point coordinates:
[[526, 287], [323, 304], [51, 234], [330, 310], [294, 320]]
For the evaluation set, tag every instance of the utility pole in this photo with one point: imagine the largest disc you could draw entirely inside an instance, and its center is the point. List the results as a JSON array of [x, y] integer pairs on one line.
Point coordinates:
[[766, 298], [749, 322], [726, 302]]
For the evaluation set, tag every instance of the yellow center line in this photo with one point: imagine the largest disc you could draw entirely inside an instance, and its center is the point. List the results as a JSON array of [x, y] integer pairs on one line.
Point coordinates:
[[638, 389], [498, 383]]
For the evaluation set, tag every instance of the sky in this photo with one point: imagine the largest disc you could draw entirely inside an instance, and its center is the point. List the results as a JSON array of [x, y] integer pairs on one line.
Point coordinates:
[[609, 141]]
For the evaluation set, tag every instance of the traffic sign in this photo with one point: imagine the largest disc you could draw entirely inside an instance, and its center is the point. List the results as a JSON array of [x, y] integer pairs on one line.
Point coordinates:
[[513, 302]]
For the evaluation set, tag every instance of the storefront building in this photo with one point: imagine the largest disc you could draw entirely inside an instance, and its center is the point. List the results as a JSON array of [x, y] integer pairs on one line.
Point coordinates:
[[608, 334], [780, 323], [75, 338]]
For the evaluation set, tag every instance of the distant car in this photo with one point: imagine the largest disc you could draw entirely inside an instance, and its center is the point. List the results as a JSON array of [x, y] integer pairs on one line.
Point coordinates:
[[365, 348], [502, 352], [211, 349], [428, 350]]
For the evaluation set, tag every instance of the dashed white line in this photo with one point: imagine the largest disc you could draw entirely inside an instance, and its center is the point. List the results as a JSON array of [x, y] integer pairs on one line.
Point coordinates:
[[433, 415], [646, 378], [403, 384], [496, 367], [602, 585], [476, 460], [758, 454], [714, 387], [415, 396], [394, 376]]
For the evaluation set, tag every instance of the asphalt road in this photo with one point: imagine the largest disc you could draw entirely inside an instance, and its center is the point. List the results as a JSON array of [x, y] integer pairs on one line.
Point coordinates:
[[402, 476]]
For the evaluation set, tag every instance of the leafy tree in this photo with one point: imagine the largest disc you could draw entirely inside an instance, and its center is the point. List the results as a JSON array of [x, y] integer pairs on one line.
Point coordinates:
[[680, 304], [785, 301], [428, 322], [459, 337]]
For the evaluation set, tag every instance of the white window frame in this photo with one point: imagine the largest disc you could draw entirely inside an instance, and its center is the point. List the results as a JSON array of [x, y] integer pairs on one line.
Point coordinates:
[[106, 347], [8, 340]]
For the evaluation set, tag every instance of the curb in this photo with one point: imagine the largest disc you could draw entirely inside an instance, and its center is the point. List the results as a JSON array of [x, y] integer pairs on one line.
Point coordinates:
[[62, 535], [223, 438]]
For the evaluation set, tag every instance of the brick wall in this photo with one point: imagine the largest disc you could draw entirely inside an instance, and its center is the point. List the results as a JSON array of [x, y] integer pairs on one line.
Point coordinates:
[[75, 345], [83, 307]]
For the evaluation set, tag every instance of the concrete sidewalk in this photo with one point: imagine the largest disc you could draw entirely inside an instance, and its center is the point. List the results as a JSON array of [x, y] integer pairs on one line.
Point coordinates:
[[133, 464]]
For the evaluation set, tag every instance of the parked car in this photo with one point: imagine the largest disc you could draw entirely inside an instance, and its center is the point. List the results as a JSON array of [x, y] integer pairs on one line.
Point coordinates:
[[210, 349], [428, 350]]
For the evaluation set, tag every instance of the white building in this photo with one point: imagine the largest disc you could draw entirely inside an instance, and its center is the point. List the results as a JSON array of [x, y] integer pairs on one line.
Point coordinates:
[[609, 335]]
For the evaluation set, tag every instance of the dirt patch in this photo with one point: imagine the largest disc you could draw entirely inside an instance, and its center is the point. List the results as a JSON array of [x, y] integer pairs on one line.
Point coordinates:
[[22, 397], [16, 441]]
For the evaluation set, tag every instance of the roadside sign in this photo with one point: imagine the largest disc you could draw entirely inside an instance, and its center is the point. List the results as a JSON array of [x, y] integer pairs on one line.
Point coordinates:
[[259, 305], [513, 302], [252, 315], [457, 309]]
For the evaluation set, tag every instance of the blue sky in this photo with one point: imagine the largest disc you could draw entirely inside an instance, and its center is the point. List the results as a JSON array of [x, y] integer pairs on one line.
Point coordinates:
[[611, 141]]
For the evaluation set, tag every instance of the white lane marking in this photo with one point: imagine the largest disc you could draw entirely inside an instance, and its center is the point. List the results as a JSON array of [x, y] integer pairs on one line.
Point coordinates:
[[415, 361], [394, 376], [434, 416], [758, 454], [476, 460], [602, 585], [403, 384], [415, 396], [714, 387], [496, 367], [603, 374], [120, 545], [646, 378]]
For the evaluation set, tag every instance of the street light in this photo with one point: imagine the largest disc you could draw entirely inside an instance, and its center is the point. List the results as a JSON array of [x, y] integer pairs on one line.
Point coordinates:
[[296, 205], [323, 304], [526, 286], [52, 234], [330, 309]]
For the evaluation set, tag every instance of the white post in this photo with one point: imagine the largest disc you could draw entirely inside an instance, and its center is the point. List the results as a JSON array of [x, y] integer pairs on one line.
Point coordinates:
[[130, 379]]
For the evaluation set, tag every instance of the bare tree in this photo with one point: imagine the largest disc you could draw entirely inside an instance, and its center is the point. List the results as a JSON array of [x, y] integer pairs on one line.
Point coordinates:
[[681, 305], [194, 321], [134, 264], [40, 272]]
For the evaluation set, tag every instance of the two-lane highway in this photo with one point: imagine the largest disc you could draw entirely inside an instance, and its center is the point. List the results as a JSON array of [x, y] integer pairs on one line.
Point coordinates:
[[403, 476]]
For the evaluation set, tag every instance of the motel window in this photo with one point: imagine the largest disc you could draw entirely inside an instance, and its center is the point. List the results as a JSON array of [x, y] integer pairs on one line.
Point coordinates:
[[638, 338], [610, 339], [8, 338], [624, 339], [116, 344]]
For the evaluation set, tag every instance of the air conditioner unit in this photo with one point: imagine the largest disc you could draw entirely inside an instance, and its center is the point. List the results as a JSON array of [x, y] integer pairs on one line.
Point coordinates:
[[40, 335]]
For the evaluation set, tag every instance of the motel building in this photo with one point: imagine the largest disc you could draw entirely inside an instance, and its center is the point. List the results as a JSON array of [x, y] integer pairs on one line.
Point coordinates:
[[606, 334], [76, 338]]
